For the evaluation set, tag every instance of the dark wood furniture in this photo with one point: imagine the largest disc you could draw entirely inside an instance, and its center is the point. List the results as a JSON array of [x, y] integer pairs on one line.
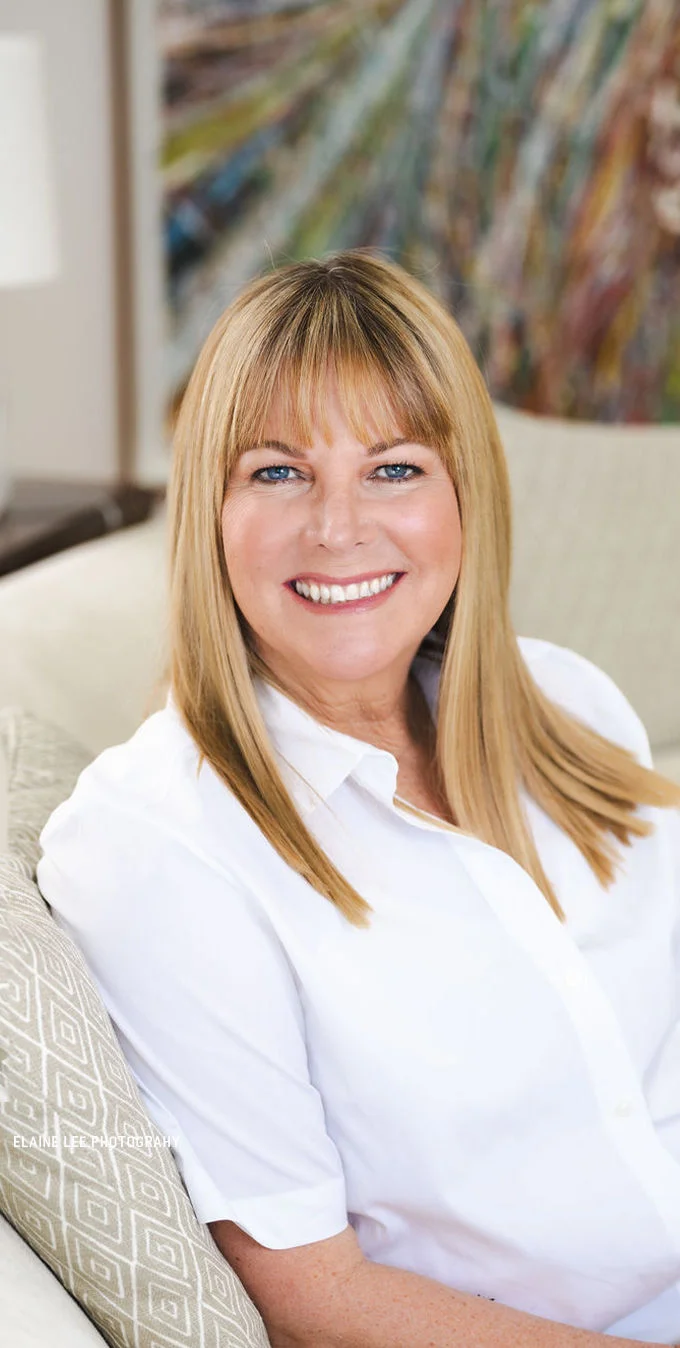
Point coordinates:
[[46, 517]]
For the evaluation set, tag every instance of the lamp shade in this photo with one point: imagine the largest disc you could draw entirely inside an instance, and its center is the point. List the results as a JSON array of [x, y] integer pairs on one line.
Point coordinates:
[[28, 235]]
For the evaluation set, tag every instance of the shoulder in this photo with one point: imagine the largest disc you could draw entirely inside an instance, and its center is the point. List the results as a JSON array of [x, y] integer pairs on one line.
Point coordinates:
[[155, 771], [585, 690], [146, 804]]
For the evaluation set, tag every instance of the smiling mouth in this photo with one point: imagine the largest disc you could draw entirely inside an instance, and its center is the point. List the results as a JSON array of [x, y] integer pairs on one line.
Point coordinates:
[[357, 594]]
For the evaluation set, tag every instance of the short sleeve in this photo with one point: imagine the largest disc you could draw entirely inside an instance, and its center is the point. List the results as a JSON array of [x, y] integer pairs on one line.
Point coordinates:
[[206, 1008]]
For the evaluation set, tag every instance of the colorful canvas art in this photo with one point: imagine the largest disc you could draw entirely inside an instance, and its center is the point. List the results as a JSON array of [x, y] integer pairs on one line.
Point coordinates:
[[521, 156]]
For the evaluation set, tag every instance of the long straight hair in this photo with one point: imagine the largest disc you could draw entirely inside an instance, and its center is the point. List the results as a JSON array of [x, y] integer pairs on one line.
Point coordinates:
[[402, 365]]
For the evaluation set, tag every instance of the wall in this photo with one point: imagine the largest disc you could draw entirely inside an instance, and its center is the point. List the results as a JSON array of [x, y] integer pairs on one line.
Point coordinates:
[[57, 342]]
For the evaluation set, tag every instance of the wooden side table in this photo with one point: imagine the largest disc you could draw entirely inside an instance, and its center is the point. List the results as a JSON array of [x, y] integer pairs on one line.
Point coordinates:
[[47, 517]]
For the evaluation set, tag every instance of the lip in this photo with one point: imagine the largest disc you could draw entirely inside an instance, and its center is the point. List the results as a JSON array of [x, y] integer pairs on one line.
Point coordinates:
[[351, 605], [342, 580]]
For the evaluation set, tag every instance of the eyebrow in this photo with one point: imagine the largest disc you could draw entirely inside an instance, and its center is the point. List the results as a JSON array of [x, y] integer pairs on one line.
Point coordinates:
[[283, 448]]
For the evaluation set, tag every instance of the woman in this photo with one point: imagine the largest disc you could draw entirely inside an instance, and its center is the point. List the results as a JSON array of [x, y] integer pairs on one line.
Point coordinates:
[[382, 904]]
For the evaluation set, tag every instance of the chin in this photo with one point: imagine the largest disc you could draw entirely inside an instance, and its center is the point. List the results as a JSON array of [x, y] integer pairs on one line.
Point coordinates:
[[349, 667]]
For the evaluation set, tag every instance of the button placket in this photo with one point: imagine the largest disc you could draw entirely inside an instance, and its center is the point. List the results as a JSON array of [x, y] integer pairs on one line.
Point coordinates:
[[624, 1109], [523, 910], [574, 978]]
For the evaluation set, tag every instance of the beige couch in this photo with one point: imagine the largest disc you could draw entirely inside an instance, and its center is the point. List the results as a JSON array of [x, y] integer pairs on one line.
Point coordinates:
[[597, 567]]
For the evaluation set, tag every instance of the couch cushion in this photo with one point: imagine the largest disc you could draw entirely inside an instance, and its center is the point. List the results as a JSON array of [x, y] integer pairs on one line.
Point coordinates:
[[667, 761], [82, 635], [85, 1176], [596, 550], [36, 1311]]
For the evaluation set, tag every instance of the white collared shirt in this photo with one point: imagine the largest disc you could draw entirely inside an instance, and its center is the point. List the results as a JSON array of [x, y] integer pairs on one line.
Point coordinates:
[[490, 1097]]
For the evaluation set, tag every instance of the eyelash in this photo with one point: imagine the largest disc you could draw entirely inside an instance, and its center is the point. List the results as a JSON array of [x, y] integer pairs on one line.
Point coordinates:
[[274, 482]]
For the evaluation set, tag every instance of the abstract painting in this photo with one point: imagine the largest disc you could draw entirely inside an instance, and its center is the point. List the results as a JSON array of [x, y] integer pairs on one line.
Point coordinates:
[[522, 157]]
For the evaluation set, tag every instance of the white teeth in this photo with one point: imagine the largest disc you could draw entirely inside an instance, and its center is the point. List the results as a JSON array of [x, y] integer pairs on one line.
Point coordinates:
[[343, 594]]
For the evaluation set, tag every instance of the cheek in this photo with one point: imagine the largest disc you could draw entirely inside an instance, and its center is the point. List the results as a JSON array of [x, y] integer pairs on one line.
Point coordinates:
[[432, 532], [234, 528], [250, 544]]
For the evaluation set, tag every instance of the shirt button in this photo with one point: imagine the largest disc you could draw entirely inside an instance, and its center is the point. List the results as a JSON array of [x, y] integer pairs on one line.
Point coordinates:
[[573, 978], [624, 1109]]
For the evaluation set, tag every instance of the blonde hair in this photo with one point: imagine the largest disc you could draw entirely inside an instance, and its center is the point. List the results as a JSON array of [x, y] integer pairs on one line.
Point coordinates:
[[396, 351]]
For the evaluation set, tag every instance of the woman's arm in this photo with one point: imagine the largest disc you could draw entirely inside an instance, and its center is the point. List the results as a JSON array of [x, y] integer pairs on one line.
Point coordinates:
[[327, 1295]]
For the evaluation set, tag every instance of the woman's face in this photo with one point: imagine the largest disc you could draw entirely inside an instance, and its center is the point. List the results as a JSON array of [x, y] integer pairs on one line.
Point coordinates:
[[339, 515]]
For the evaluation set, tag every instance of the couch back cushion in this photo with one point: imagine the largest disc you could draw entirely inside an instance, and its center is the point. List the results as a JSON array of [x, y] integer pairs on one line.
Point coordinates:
[[597, 551], [82, 635]]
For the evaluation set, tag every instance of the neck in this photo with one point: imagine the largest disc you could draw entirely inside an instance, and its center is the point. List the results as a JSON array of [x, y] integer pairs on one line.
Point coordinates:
[[399, 722]]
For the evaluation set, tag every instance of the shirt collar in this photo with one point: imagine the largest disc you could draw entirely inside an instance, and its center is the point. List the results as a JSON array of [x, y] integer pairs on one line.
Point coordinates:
[[315, 760]]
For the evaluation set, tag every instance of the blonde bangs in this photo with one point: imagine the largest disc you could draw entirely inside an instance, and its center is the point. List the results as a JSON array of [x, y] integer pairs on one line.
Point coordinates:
[[386, 384]]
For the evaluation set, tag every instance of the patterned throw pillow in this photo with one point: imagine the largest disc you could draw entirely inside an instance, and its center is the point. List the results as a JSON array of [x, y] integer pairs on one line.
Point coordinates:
[[42, 765], [85, 1176]]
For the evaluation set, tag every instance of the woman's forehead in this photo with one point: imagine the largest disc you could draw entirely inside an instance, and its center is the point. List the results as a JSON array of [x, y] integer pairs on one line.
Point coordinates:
[[295, 422]]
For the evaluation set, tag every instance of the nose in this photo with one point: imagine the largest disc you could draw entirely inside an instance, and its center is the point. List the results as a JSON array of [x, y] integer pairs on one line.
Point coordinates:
[[337, 517]]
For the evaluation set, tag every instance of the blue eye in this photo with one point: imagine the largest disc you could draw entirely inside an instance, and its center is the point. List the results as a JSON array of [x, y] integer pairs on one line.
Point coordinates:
[[278, 472], [276, 468], [411, 467]]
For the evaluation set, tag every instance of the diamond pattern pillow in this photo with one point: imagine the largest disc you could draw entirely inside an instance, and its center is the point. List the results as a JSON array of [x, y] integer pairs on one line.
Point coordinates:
[[112, 1220]]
